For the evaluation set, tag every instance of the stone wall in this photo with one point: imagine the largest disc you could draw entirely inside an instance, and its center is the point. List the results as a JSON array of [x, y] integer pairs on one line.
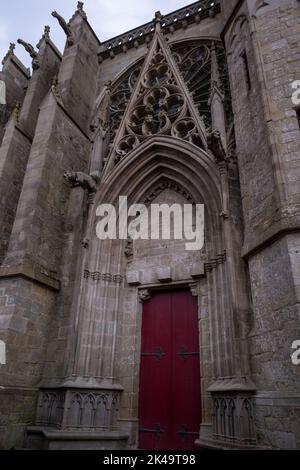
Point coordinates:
[[268, 144]]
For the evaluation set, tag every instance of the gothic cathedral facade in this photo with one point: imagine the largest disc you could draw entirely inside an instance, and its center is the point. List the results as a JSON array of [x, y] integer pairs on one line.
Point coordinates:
[[135, 344]]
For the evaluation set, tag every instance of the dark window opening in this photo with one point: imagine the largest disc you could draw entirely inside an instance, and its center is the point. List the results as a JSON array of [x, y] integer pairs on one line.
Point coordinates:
[[298, 116], [247, 71]]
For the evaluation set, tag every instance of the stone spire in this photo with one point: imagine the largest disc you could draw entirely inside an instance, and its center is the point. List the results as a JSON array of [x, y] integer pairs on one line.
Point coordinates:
[[215, 74], [216, 102], [46, 34]]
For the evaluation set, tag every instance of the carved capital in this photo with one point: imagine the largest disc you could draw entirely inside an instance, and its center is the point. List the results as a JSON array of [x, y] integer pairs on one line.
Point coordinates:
[[144, 295], [194, 288]]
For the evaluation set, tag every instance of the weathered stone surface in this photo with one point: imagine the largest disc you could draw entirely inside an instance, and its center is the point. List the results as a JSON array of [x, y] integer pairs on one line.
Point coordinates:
[[71, 305]]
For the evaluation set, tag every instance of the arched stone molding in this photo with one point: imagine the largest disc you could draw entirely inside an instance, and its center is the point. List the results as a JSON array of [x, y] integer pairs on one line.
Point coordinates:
[[99, 317]]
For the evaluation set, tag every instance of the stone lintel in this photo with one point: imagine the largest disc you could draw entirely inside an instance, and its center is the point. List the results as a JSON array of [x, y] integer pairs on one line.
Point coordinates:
[[133, 278], [164, 274], [31, 272], [198, 270], [234, 384]]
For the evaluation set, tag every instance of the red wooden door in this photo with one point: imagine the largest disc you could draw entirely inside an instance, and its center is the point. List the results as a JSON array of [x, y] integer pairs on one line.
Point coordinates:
[[169, 404]]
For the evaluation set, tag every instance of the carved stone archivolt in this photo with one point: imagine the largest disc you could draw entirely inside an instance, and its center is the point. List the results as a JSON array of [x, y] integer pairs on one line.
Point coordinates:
[[162, 186]]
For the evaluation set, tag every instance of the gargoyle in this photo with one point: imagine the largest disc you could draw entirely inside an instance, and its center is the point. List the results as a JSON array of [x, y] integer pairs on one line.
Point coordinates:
[[87, 182], [214, 142], [32, 52], [65, 27]]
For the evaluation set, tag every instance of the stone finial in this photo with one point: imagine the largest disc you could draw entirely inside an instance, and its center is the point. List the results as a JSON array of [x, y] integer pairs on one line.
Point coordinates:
[[12, 47], [158, 17], [65, 26], [10, 52], [80, 9], [47, 32]]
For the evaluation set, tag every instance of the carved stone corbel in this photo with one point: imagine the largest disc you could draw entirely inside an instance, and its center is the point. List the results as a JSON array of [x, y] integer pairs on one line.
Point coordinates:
[[144, 295], [194, 288], [129, 250], [65, 26]]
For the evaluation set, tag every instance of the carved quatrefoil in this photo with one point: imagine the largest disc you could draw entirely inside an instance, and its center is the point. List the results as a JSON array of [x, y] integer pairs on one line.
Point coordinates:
[[159, 110], [157, 76]]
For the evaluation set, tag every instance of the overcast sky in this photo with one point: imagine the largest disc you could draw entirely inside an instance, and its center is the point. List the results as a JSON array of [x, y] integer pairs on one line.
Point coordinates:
[[26, 19]]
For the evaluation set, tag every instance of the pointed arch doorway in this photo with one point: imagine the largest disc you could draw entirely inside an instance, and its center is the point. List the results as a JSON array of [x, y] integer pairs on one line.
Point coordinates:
[[170, 397]]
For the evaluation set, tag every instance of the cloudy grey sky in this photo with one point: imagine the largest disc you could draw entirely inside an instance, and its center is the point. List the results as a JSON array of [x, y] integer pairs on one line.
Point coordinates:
[[26, 18]]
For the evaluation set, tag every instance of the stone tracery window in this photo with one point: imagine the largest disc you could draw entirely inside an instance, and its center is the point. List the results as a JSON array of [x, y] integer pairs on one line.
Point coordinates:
[[161, 105], [193, 59]]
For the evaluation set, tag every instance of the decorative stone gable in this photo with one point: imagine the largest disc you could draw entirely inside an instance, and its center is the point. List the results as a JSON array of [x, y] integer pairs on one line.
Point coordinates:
[[160, 105]]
